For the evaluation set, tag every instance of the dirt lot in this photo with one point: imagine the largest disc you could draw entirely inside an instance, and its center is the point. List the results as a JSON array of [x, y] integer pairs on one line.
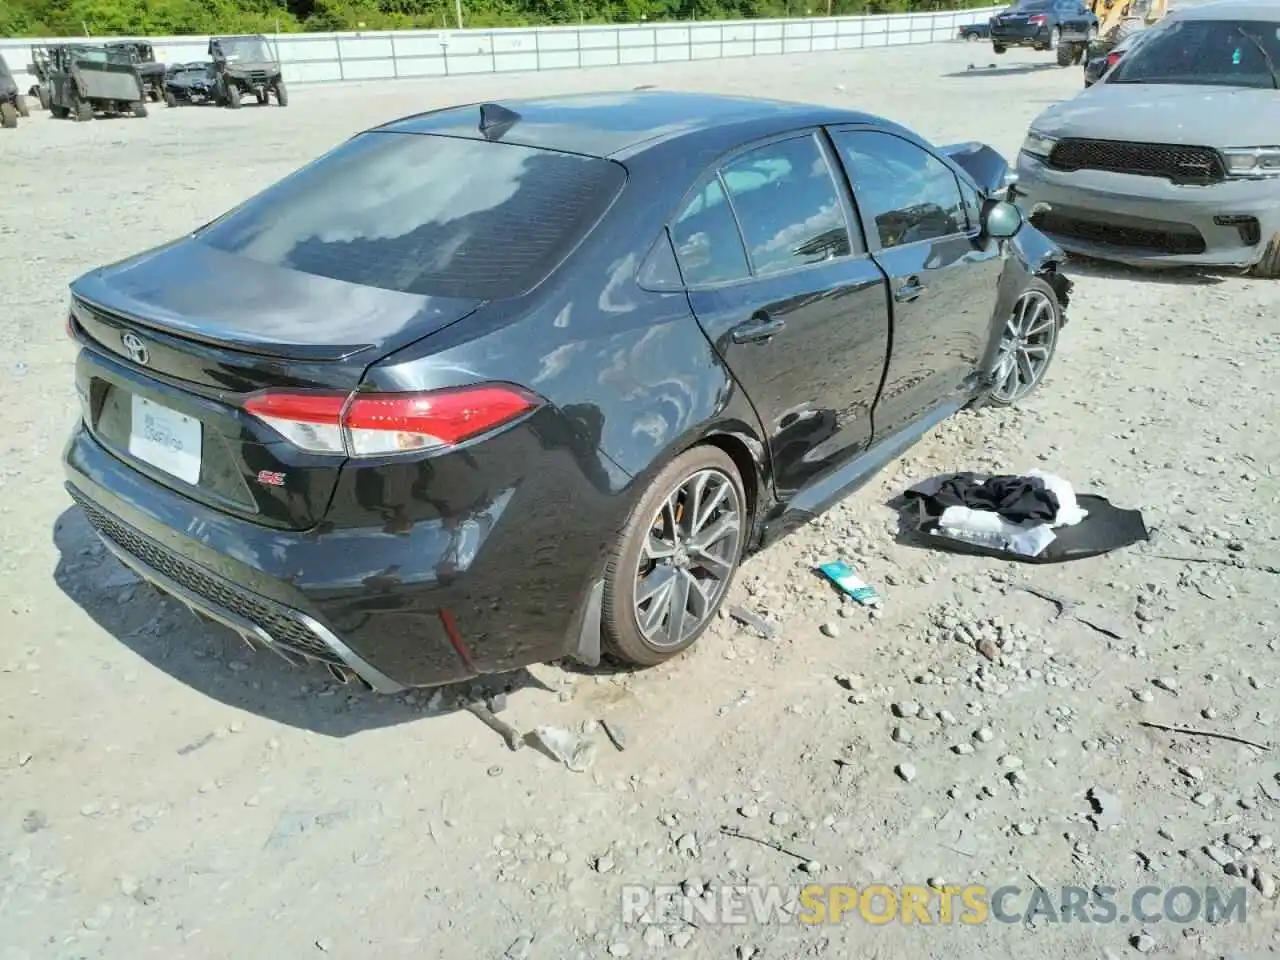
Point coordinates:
[[166, 793]]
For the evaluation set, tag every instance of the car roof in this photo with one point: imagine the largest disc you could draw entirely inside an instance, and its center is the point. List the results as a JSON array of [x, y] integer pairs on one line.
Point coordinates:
[[1267, 10], [623, 124]]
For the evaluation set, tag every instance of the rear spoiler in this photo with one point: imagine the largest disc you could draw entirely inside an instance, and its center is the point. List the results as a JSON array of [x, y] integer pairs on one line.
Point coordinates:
[[989, 170]]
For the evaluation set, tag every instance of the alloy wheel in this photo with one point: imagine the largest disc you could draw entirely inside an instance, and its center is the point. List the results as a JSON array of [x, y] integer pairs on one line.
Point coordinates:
[[1026, 347], [688, 558]]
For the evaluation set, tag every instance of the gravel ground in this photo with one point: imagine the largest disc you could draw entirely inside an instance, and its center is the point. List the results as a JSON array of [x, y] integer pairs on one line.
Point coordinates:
[[167, 793]]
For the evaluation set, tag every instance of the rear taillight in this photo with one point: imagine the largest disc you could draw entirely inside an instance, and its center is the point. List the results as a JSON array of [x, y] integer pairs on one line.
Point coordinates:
[[1112, 60], [1038, 20], [378, 424]]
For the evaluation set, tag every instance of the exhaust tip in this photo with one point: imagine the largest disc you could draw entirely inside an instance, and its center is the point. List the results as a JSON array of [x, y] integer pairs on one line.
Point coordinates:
[[345, 676]]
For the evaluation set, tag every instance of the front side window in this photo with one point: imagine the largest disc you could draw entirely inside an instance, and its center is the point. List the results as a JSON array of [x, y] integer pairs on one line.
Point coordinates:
[[438, 216], [785, 197], [1229, 53], [906, 192]]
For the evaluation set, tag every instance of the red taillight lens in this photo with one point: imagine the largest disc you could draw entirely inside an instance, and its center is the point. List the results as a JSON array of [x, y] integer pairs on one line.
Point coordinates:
[[377, 424], [1039, 20], [1112, 59]]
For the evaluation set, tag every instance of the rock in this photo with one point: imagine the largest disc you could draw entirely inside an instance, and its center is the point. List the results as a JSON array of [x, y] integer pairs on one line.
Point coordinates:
[[681, 939], [1145, 696], [1025, 829], [1143, 942], [906, 771], [619, 950], [1209, 713], [1263, 842], [811, 867], [906, 709], [987, 647], [1265, 884], [603, 864], [1167, 684], [830, 629], [1203, 799], [1219, 854], [1239, 841], [1107, 809], [963, 749], [1192, 773], [983, 735], [324, 944], [749, 810], [780, 818], [902, 735], [687, 845], [34, 822], [654, 938], [1010, 762]]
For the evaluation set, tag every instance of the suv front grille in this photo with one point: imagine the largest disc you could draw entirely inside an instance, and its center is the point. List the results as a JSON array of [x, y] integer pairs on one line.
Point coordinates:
[[1173, 239], [279, 623], [1181, 164]]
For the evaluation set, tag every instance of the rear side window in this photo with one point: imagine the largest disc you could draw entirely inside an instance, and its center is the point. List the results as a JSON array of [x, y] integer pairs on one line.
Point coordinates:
[[421, 214], [787, 203], [706, 237]]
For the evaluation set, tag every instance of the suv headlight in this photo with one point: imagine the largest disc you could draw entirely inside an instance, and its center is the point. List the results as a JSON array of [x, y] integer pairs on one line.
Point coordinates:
[[1252, 162], [1038, 144]]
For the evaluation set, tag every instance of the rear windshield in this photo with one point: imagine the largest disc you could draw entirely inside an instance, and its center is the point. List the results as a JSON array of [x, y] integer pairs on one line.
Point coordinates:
[[423, 214], [1229, 53]]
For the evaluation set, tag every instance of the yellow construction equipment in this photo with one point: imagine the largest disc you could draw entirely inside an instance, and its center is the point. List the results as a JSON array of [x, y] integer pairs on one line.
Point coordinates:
[[1115, 19]]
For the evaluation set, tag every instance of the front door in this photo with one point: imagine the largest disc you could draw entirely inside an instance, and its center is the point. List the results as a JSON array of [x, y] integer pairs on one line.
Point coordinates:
[[784, 290], [944, 275]]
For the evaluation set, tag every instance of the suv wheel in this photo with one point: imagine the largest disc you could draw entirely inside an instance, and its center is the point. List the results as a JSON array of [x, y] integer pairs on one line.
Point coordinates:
[[232, 96], [673, 563], [1027, 345], [8, 115], [282, 94]]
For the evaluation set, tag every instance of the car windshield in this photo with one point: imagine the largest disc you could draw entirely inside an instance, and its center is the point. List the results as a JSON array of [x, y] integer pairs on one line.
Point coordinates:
[[249, 50], [1225, 53], [439, 216]]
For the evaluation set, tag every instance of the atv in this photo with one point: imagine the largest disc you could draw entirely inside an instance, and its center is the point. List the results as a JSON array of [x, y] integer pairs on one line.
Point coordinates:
[[84, 79], [12, 103], [143, 56], [244, 66], [190, 83]]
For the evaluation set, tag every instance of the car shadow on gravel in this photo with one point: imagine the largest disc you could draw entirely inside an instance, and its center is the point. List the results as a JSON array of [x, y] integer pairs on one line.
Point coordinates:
[[1176, 276], [994, 70], [215, 662]]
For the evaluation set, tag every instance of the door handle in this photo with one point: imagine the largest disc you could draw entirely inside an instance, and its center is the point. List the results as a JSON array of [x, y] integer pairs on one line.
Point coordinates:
[[759, 327], [909, 291]]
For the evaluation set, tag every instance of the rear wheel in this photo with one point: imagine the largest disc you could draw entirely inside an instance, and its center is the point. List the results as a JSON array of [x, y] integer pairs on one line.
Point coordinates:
[[1067, 54], [1268, 268], [22, 106], [8, 115], [169, 99], [232, 96], [673, 563], [1027, 345], [138, 108], [83, 111], [42, 96], [59, 113], [282, 93], [998, 48]]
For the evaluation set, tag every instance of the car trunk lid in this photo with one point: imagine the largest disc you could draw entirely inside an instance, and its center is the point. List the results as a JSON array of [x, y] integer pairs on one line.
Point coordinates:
[[170, 362]]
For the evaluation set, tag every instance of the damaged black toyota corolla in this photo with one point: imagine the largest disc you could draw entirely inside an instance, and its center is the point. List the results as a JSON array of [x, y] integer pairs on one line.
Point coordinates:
[[504, 383]]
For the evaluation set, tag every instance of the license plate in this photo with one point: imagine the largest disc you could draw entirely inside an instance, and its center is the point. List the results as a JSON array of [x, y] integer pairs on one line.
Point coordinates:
[[165, 439]]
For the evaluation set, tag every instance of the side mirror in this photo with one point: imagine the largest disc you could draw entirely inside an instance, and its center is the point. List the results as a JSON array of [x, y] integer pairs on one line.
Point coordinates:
[[1002, 220]]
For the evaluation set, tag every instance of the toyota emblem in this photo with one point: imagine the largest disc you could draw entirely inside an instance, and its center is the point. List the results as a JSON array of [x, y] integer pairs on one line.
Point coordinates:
[[135, 348]]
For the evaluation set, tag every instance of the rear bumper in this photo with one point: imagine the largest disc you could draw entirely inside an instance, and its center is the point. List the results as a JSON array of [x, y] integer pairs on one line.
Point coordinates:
[[440, 603], [1148, 221], [1020, 36]]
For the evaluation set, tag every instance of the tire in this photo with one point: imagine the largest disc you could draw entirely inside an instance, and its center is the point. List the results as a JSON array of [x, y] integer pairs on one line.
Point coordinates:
[[232, 96], [82, 112], [282, 93], [42, 96], [138, 108], [1067, 54], [1268, 268], [59, 113], [23, 111], [998, 49], [1078, 59], [8, 115], [1047, 307], [710, 471], [169, 99]]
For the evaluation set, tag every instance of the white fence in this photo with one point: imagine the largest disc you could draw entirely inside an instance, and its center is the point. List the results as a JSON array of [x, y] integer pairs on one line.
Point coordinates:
[[337, 57]]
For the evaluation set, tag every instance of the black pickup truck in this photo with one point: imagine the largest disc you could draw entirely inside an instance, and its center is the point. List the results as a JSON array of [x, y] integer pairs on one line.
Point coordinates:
[[974, 31]]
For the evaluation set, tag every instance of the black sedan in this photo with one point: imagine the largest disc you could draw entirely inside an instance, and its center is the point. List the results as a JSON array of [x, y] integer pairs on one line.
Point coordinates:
[[189, 83], [1043, 25], [504, 383]]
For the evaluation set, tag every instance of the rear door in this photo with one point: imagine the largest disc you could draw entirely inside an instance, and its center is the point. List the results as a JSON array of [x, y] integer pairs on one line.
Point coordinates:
[[943, 274], [783, 287]]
